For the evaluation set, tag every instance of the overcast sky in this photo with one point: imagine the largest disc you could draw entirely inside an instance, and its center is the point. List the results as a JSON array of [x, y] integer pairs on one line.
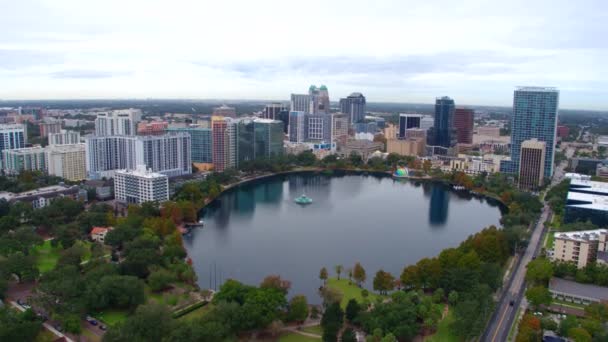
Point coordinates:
[[402, 51]]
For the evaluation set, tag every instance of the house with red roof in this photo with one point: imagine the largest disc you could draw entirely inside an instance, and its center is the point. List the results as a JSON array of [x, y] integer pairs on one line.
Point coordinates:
[[98, 234]]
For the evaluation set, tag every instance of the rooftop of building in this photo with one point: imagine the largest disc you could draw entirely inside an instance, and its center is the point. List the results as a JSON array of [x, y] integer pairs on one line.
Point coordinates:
[[537, 89], [578, 289], [588, 201], [48, 190], [100, 230], [66, 148], [584, 184], [11, 126], [142, 172], [582, 236], [26, 150], [411, 115]]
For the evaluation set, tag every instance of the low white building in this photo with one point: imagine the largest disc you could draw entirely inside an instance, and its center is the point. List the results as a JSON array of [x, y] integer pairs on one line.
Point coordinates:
[[140, 185]]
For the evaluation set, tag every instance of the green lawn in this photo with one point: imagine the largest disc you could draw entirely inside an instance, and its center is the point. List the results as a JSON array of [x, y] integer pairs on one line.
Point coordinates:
[[111, 317], [568, 304], [293, 337], [46, 256], [45, 336], [443, 333], [313, 330], [549, 240], [198, 313], [350, 291]]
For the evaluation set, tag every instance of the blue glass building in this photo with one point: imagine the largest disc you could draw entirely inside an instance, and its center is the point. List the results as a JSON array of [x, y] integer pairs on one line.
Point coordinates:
[[534, 116], [444, 134], [201, 143]]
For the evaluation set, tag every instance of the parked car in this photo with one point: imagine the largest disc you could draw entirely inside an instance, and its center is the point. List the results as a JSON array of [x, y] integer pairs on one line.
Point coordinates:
[[511, 303], [102, 327]]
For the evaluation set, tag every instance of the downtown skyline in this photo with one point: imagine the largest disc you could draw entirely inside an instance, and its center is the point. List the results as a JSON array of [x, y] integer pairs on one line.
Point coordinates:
[[476, 52]]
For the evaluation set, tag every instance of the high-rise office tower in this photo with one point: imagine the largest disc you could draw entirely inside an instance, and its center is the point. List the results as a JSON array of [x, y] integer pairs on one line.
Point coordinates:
[[297, 126], [226, 111], [67, 161], [535, 112], [141, 185], [117, 122], [443, 130], [354, 107], [339, 127], [323, 106], [427, 122], [64, 138], [12, 137], [319, 127], [268, 138], [532, 164], [201, 142], [463, 122], [300, 103], [272, 111], [407, 121]]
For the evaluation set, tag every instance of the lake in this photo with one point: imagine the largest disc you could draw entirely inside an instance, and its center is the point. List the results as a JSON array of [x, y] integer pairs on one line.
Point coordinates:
[[256, 229]]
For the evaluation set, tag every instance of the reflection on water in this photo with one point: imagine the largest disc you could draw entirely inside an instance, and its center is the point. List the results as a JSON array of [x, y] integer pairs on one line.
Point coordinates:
[[256, 229]]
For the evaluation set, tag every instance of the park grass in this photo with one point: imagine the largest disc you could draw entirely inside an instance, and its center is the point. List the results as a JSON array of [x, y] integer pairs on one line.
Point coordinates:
[[196, 314], [550, 239], [91, 337], [45, 336], [46, 256], [568, 304], [112, 316], [316, 329], [294, 337], [443, 333], [351, 291]]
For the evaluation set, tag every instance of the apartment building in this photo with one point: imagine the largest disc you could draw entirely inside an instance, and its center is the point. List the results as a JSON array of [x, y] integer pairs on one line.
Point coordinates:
[[580, 247]]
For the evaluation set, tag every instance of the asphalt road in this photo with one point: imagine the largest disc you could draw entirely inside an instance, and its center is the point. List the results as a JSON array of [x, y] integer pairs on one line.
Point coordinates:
[[502, 319]]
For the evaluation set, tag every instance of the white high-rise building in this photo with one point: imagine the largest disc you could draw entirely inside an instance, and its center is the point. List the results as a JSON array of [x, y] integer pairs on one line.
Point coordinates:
[[64, 137], [169, 154], [67, 161], [24, 159], [140, 185], [117, 122]]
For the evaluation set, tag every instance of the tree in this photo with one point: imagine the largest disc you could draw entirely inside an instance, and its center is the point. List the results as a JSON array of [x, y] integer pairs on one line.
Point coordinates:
[[359, 274], [330, 295], [160, 279], [566, 324], [453, 297], [338, 269], [597, 311], [275, 282], [151, 322], [409, 277], [298, 309], [350, 274], [116, 291], [17, 326], [529, 329], [323, 275], [384, 282], [352, 310], [539, 271], [332, 320], [349, 335], [579, 335], [262, 306], [24, 267], [538, 295]]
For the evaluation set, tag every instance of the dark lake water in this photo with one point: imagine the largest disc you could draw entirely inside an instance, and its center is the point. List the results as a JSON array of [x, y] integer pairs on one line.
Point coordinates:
[[256, 229]]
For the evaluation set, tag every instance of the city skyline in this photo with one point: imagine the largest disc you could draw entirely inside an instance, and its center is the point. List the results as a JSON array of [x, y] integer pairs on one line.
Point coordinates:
[[395, 52]]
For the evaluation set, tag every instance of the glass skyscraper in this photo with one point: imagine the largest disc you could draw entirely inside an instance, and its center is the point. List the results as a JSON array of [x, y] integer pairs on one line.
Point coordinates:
[[534, 116], [443, 131], [201, 143]]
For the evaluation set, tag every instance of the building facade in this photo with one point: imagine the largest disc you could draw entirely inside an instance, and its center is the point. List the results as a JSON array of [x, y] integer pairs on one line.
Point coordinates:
[[50, 127], [24, 159], [220, 142], [202, 141], [117, 122], [532, 164], [12, 137], [443, 132], [152, 127], [318, 127], [535, 111], [67, 161], [408, 121], [140, 185], [301, 103], [580, 247], [406, 147], [64, 137], [354, 106], [463, 122], [297, 126], [225, 111]]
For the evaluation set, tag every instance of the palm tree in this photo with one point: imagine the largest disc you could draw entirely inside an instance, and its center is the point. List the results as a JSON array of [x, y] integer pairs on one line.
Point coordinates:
[[350, 275], [338, 269]]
